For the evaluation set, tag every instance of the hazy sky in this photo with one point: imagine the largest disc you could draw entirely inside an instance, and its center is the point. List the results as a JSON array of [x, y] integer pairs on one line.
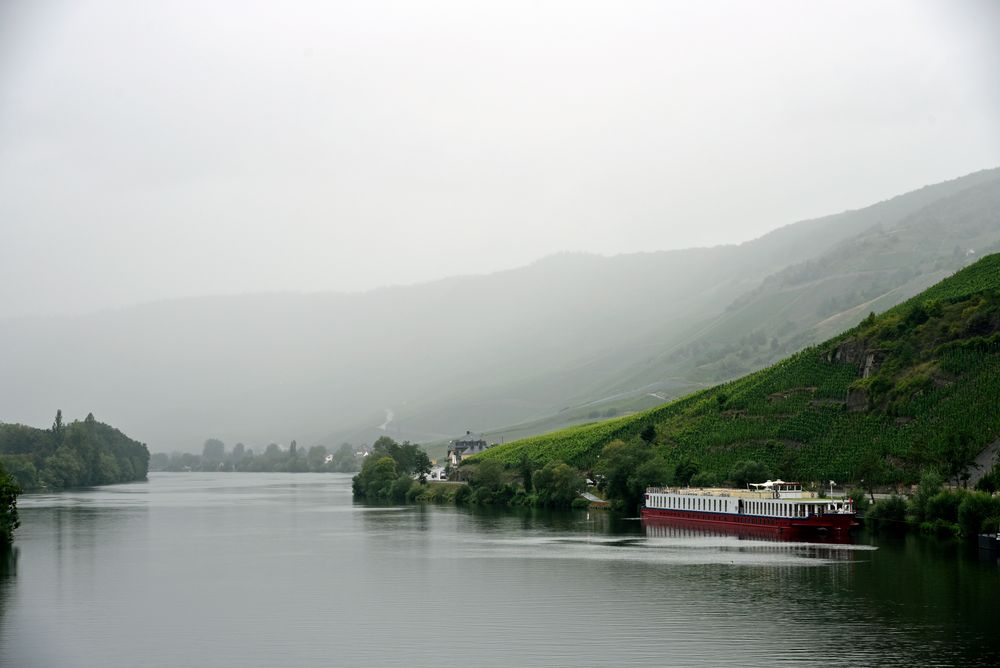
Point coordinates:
[[162, 149]]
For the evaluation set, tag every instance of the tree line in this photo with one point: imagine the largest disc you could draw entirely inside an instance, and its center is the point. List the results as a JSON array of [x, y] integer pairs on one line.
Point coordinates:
[[77, 454], [215, 457]]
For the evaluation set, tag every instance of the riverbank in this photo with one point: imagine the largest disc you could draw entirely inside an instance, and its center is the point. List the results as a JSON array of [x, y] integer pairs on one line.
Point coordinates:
[[936, 510]]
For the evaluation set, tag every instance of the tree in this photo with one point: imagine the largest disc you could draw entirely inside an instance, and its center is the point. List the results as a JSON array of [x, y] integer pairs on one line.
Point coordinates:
[[871, 471], [748, 471], [213, 452], [57, 428], [408, 456], [930, 485], [558, 484], [344, 459], [629, 468], [376, 478], [316, 457], [686, 470], [488, 475], [9, 490], [526, 471], [960, 457], [421, 464]]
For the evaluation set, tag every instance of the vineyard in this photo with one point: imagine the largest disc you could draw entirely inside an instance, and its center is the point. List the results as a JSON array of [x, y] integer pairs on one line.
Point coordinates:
[[930, 399]]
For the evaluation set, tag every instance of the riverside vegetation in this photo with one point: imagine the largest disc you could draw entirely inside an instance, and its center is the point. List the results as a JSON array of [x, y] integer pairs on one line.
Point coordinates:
[[903, 396], [273, 459], [77, 454], [9, 490], [398, 472]]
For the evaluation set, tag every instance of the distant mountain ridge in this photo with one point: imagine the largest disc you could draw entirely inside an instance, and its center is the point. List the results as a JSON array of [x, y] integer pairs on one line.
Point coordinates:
[[544, 345]]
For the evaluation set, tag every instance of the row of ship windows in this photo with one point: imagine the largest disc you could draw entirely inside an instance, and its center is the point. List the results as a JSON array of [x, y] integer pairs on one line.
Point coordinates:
[[689, 503], [719, 505]]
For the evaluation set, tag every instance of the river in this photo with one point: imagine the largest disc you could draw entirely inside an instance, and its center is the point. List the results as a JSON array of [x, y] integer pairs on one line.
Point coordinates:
[[270, 570]]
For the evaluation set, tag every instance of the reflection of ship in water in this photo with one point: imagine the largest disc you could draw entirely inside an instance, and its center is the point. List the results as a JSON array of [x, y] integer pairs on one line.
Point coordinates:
[[664, 528]]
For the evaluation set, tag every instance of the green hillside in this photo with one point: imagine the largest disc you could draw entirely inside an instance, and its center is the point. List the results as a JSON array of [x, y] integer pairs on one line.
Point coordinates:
[[915, 387]]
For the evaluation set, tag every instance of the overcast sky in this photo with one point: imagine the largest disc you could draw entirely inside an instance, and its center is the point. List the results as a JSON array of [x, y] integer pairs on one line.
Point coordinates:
[[164, 149]]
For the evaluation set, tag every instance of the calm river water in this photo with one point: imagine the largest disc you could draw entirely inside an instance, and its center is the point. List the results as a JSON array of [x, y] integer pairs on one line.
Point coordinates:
[[285, 570]]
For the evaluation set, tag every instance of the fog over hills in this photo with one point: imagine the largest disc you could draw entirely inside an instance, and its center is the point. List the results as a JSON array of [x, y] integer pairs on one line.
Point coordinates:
[[543, 345]]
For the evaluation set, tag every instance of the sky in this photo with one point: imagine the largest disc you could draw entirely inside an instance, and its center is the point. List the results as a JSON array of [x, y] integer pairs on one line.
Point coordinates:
[[153, 150]]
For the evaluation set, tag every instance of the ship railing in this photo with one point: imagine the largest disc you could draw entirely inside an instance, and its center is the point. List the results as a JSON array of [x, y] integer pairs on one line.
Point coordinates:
[[696, 491]]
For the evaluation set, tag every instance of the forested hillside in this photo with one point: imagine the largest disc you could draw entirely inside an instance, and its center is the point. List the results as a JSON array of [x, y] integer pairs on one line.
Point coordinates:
[[78, 454], [911, 389]]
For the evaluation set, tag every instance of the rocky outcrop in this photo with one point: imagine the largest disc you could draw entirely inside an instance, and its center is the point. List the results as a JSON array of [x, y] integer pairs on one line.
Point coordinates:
[[851, 351], [856, 351], [873, 361]]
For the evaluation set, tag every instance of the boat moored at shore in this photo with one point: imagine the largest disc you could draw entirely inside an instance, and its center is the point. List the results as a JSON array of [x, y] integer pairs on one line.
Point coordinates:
[[773, 506]]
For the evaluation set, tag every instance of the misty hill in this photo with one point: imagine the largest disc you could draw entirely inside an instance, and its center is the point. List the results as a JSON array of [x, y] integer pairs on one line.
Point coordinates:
[[575, 332], [903, 246], [913, 388]]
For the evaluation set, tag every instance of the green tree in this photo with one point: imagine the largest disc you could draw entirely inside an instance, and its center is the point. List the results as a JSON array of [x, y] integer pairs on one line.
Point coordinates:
[[686, 470], [376, 478], [973, 509], [400, 486], [628, 469], [9, 490], [930, 485], [409, 457], [747, 472], [872, 471], [488, 475], [58, 430], [421, 464], [960, 456], [558, 484], [526, 472]]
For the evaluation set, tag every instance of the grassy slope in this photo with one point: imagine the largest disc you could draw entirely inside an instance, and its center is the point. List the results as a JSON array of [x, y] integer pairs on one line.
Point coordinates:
[[940, 377]]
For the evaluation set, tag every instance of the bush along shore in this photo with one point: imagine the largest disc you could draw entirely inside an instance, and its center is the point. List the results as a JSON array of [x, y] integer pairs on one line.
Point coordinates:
[[398, 472], [936, 510], [9, 490]]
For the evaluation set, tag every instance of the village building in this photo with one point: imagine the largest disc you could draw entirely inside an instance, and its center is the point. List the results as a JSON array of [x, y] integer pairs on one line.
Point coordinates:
[[465, 446]]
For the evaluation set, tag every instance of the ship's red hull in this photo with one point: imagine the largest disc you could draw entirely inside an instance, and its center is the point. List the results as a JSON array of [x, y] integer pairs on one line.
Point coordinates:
[[781, 526]]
